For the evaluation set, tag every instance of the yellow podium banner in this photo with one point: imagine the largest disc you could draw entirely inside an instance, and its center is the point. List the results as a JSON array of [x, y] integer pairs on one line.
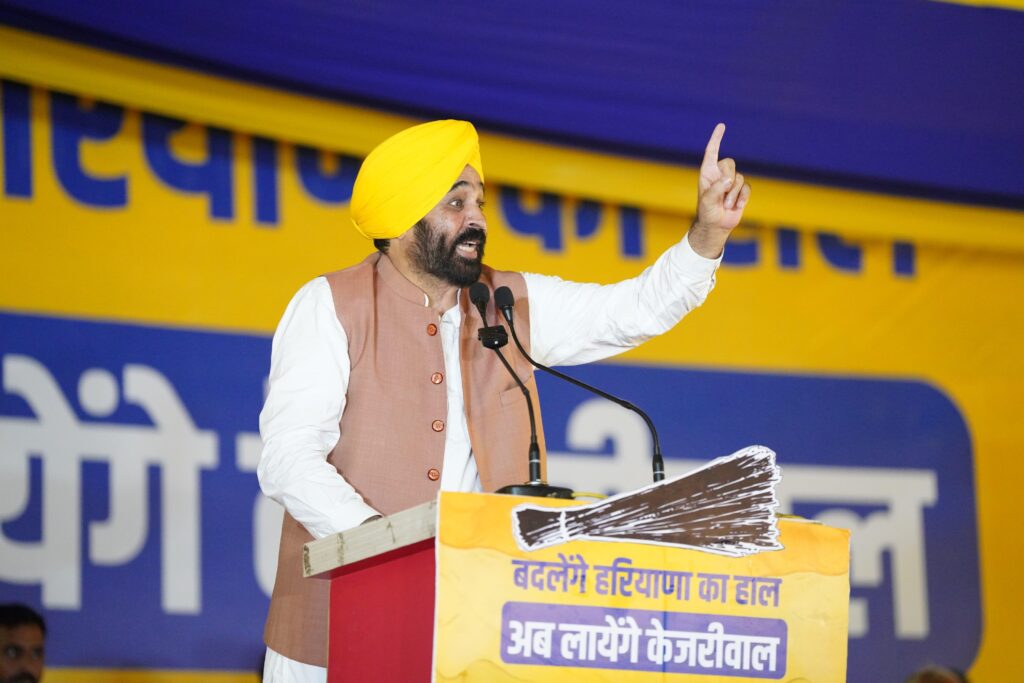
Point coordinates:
[[598, 611]]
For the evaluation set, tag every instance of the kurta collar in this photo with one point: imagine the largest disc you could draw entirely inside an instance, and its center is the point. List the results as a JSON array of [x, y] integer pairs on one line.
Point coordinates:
[[398, 283]]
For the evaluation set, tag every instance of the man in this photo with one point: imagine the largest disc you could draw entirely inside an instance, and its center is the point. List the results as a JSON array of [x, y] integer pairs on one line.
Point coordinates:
[[22, 639], [380, 393]]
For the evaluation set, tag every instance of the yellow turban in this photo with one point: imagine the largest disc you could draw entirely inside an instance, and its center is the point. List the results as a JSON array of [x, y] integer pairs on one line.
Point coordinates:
[[405, 176]]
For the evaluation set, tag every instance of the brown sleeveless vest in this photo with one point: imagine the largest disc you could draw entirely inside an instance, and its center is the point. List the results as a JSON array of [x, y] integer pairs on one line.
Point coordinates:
[[392, 429]]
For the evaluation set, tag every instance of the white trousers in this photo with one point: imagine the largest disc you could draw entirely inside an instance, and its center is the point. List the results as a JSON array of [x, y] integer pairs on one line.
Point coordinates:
[[279, 669]]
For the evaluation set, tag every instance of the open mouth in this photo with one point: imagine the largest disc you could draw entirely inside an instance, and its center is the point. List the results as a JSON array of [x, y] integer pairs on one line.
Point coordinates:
[[468, 249], [470, 244]]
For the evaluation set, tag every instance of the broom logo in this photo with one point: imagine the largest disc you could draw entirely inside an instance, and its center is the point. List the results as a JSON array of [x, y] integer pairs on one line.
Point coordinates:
[[726, 507]]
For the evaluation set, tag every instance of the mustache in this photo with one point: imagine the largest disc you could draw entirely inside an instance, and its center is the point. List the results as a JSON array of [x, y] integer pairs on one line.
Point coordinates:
[[471, 235], [23, 678]]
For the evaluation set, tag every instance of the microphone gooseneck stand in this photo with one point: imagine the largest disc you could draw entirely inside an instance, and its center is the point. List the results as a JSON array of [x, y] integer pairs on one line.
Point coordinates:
[[494, 337], [504, 301]]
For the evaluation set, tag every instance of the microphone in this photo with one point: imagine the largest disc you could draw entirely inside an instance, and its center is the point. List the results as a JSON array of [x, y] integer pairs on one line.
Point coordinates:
[[480, 295], [494, 337], [504, 301]]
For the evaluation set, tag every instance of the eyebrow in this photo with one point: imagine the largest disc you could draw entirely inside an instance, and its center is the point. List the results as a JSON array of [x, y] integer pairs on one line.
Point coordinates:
[[460, 183]]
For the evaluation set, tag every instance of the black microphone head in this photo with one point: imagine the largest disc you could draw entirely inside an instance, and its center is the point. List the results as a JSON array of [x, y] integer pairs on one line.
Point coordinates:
[[479, 294], [504, 300]]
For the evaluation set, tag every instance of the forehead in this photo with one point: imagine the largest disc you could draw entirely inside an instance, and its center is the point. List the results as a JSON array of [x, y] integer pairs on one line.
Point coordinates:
[[26, 635], [469, 178]]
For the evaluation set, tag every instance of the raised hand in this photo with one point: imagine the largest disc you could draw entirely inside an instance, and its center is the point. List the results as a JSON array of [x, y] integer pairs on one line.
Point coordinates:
[[722, 194]]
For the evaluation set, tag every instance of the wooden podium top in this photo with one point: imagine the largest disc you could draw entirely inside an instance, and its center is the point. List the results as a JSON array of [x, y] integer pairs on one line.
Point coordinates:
[[396, 531]]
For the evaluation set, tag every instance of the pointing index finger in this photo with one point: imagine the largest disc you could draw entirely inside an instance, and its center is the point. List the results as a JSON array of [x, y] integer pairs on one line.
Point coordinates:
[[711, 151]]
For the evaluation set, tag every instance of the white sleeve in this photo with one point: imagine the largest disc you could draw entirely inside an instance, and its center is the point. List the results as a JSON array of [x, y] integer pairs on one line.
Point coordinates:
[[573, 323], [309, 371]]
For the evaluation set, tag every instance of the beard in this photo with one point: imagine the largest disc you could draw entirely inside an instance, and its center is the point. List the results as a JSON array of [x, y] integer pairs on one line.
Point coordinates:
[[432, 255]]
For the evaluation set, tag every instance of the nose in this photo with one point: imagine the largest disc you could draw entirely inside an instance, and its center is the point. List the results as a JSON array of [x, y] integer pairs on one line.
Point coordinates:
[[475, 218]]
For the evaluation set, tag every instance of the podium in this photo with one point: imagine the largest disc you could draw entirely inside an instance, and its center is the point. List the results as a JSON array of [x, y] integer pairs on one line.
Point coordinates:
[[451, 573]]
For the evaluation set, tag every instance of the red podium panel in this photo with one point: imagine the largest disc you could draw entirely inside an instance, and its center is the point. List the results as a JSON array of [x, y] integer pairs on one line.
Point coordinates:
[[382, 618], [382, 579]]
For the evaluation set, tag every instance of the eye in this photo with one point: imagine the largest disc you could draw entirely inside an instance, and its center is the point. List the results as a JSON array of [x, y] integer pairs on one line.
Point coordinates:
[[457, 203], [481, 204]]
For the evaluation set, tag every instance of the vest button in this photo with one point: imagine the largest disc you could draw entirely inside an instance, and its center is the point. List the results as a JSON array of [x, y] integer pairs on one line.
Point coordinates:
[[437, 378], [433, 474], [437, 425], [431, 329]]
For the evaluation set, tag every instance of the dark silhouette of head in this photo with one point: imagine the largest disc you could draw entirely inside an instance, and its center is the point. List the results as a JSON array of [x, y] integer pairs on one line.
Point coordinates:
[[22, 644], [937, 674]]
